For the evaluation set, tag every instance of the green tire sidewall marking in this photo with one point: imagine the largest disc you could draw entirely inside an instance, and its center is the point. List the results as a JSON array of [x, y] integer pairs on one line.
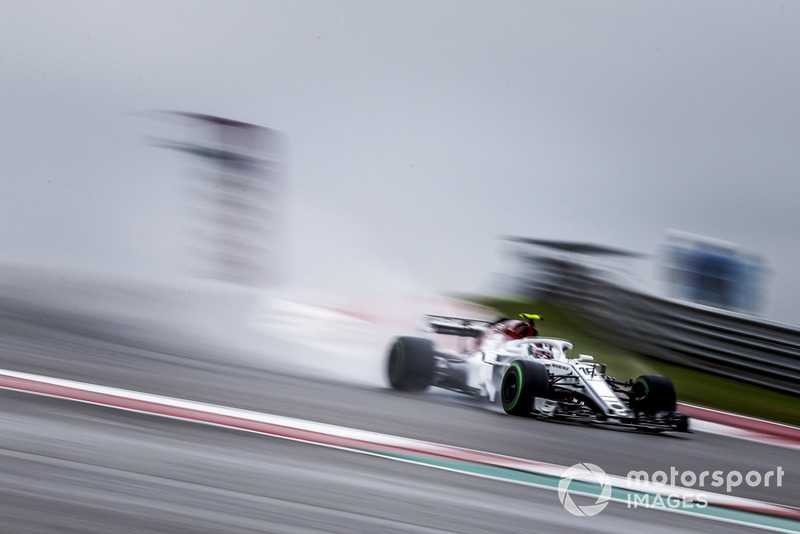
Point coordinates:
[[645, 387], [519, 385]]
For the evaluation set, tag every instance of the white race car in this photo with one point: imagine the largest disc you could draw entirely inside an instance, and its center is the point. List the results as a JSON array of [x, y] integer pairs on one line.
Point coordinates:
[[533, 375]]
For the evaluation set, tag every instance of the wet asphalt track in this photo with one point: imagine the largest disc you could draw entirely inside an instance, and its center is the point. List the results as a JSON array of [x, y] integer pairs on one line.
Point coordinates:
[[69, 467]]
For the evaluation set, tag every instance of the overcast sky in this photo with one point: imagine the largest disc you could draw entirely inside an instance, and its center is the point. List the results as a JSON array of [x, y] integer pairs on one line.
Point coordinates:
[[418, 132]]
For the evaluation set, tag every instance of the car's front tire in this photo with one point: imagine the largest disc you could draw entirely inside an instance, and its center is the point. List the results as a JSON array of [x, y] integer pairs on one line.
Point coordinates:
[[410, 363], [522, 382], [651, 394]]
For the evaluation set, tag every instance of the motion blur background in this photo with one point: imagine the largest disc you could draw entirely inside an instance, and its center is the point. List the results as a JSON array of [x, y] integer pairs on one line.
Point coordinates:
[[416, 132], [396, 144]]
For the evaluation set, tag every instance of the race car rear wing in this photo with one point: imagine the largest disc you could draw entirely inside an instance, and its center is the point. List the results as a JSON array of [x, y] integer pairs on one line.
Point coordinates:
[[455, 326]]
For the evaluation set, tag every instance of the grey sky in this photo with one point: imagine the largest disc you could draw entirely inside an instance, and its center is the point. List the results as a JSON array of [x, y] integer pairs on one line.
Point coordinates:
[[418, 131]]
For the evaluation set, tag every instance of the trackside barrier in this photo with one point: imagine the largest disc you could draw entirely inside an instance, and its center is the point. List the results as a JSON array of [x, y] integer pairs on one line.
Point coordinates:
[[726, 343]]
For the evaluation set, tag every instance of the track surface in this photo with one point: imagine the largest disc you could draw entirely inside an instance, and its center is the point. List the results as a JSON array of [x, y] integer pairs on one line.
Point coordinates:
[[70, 467]]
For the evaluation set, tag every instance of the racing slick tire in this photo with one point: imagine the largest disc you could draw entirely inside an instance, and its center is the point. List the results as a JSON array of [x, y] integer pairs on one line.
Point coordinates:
[[410, 363], [522, 382], [651, 394]]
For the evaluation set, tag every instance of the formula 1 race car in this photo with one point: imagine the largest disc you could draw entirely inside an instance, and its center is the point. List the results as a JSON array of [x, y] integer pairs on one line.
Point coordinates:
[[533, 375]]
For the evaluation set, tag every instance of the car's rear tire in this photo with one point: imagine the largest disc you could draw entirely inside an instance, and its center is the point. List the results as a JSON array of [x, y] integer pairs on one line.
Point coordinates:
[[651, 394], [410, 363], [522, 382]]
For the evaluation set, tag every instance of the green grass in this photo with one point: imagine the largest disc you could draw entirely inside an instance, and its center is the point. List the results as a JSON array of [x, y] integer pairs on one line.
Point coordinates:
[[693, 386]]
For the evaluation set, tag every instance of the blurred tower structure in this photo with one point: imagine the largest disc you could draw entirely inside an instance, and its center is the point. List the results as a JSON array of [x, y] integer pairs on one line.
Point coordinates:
[[236, 197]]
